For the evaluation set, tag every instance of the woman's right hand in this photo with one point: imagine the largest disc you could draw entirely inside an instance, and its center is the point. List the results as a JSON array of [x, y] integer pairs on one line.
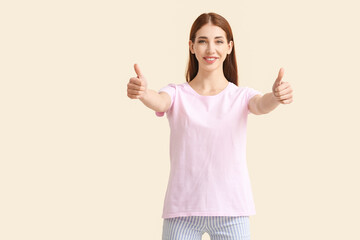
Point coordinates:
[[137, 86]]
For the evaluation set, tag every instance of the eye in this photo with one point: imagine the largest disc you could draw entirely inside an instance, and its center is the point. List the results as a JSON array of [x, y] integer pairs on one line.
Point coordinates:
[[220, 42], [201, 41]]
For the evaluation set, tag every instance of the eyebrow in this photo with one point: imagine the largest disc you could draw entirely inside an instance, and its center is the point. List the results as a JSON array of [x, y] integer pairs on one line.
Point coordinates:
[[215, 37]]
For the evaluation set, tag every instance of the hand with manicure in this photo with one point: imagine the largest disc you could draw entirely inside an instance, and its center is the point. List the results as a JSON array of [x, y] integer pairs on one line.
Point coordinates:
[[282, 90], [137, 86]]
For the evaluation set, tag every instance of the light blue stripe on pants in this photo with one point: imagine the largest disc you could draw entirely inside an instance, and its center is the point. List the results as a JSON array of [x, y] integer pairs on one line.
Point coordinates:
[[218, 227]]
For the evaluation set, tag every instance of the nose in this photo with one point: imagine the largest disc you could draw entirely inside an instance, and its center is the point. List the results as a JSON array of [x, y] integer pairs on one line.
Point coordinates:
[[210, 48]]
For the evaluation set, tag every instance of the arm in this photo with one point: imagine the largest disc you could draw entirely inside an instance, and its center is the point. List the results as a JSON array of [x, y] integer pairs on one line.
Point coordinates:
[[263, 104], [281, 94], [159, 102]]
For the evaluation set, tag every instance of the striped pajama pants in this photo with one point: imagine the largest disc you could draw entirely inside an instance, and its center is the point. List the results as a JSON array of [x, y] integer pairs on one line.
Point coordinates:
[[218, 227]]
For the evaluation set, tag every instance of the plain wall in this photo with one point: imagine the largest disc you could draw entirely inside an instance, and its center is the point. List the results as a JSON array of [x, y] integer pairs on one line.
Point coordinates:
[[81, 160]]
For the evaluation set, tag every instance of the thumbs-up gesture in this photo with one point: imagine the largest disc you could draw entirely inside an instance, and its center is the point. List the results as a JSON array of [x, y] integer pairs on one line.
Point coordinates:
[[282, 90], [137, 86]]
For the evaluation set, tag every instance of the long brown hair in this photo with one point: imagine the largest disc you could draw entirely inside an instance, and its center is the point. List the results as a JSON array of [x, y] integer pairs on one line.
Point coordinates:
[[229, 65]]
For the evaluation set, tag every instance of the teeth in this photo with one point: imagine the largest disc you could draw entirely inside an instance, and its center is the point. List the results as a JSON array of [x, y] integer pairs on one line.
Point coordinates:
[[210, 59]]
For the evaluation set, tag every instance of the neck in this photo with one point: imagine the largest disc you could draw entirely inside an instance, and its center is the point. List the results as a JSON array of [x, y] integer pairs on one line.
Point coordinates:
[[210, 79]]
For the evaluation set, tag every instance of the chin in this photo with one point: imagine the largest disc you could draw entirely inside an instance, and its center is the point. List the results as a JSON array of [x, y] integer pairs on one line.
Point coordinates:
[[212, 67]]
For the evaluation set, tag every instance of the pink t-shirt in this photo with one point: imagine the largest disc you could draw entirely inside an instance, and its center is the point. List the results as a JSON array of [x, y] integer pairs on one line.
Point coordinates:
[[208, 170]]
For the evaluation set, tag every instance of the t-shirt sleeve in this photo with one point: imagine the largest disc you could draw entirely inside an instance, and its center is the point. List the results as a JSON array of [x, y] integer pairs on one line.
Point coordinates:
[[171, 90], [250, 92]]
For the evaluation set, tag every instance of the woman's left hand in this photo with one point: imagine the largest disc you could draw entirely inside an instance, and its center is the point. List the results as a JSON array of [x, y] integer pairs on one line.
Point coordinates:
[[282, 90]]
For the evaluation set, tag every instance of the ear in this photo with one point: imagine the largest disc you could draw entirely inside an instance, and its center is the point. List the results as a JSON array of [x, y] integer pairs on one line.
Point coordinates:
[[231, 44], [191, 47]]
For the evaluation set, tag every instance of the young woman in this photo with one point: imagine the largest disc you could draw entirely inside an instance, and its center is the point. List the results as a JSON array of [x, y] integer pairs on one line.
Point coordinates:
[[209, 188]]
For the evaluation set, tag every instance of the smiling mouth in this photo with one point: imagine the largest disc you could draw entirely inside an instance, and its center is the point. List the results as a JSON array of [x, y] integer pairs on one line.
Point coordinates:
[[210, 59]]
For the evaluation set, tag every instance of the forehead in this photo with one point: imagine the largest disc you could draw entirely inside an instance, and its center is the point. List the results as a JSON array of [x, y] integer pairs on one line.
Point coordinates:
[[211, 31]]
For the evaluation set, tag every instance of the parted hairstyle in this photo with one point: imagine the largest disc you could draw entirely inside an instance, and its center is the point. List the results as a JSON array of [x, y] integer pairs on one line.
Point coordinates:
[[229, 65]]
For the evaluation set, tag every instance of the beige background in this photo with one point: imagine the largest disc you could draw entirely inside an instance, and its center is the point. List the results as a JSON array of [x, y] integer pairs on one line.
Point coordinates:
[[81, 160]]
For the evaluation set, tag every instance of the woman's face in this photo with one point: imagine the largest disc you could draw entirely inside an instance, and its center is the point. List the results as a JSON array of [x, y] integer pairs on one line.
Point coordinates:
[[210, 47]]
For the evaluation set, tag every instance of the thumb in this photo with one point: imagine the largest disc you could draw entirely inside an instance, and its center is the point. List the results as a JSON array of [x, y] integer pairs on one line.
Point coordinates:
[[280, 76], [137, 70]]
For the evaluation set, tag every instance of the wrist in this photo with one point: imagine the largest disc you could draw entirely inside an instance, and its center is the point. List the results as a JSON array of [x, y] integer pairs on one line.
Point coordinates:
[[144, 95], [275, 98]]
